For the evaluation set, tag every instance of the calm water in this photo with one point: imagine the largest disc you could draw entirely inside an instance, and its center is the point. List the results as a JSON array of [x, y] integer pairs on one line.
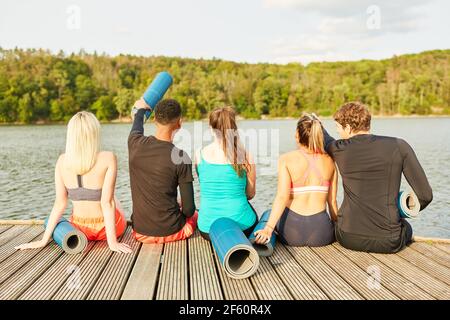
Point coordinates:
[[28, 155]]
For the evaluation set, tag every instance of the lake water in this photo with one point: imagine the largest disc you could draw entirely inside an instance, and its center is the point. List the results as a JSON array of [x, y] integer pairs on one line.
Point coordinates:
[[28, 155]]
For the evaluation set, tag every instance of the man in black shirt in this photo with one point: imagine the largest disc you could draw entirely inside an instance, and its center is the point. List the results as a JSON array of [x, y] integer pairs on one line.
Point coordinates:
[[157, 168], [371, 167]]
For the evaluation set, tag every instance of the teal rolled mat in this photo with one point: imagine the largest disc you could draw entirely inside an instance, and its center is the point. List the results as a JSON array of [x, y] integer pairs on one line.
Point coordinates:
[[264, 250], [69, 238], [155, 91], [236, 254], [408, 204]]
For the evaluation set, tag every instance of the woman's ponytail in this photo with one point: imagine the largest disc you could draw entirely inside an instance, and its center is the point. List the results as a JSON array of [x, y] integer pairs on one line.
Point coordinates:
[[316, 143], [223, 122], [310, 133]]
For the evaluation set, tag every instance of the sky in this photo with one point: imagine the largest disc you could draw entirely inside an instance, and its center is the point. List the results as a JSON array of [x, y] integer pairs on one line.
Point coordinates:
[[274, 31]]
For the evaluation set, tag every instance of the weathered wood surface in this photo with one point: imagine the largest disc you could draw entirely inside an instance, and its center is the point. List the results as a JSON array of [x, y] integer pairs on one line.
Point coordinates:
[[191, 270]]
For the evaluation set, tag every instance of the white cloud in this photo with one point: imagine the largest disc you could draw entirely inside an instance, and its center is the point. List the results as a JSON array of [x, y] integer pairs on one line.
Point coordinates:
[[122, 30], [328, 7], [344, 27], [313, 48], [341, 7], [346, 15]]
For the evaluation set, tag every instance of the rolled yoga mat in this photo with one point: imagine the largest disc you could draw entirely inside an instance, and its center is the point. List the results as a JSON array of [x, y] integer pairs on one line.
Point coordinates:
[[69, 238], [264, 250], [235, 252], [156, 90], [408, 204]]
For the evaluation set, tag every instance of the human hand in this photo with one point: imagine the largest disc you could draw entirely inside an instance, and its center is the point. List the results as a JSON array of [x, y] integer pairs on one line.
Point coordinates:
[[141, 104], [32, 245], [120, 247], [263, 236]]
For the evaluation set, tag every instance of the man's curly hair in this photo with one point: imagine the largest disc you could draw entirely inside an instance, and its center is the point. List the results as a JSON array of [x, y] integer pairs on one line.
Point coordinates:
[[355, 114]]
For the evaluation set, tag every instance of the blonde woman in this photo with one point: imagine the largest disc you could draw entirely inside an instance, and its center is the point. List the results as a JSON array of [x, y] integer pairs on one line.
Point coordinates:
[[307, 182], [87, 176]]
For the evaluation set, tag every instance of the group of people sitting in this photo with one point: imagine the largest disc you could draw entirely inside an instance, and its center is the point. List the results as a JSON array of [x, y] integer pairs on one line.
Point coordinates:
[[304, 212]]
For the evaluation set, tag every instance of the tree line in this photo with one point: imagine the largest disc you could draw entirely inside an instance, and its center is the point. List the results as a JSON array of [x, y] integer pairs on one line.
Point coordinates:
[[36, 85]]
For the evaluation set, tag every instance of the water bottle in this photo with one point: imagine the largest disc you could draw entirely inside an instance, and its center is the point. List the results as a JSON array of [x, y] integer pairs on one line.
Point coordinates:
[[155, 92]]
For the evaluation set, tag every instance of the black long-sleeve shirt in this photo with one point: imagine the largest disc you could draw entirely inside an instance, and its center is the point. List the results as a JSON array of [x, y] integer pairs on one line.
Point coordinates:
[[154, 178], [371, 167]]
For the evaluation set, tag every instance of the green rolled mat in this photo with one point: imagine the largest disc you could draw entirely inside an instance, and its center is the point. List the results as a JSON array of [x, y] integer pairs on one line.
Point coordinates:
[[235, 252], [408, 204], [69, 238]]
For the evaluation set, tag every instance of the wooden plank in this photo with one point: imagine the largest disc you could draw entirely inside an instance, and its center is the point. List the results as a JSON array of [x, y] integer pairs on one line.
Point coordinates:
[[430, 240], [24, 236], [434, 287], [89, 271], [326, 278], [430, 266], [234, 289], [173, 280], [112, 280], [23, 278], [395, 282], [301, 286], [11, 233], [267, 283], [358, 278], [59, 274], [142, 282], [16, 260], [432, 252], [5, 227], [443, 246], [28, 222], [204, 282]]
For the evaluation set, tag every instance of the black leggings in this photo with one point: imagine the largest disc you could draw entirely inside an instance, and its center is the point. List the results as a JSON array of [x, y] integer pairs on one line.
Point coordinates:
[[299, 230], [376, 245], [247, 232]]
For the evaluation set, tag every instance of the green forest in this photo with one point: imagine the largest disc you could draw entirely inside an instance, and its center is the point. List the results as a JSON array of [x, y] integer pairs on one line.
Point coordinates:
[[38, 86]]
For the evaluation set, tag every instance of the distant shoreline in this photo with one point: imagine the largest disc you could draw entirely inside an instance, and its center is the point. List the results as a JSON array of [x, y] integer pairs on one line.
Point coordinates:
[[128, 120]]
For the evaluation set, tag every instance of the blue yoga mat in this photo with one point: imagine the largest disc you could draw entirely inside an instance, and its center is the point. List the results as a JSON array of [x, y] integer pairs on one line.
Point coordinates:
[[156, 90], [263, 250], [408, 204], [69, 238], [235, 252]]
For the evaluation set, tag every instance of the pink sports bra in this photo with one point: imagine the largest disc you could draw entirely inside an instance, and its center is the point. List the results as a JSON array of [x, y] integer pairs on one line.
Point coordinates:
[[301, 187]]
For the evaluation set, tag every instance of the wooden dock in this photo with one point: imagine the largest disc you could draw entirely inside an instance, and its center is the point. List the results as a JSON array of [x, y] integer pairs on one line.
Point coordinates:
[[190, 270]]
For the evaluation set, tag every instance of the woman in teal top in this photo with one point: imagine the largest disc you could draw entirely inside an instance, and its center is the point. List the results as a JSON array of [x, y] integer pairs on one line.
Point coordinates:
[[227, 176]]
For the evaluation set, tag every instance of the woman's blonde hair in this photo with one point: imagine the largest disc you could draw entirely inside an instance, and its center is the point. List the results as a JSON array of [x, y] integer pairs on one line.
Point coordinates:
[[310, 133], [83, 142]]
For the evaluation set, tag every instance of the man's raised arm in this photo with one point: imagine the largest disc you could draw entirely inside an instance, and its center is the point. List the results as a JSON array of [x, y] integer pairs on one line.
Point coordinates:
[[138, 123], [327, 140]]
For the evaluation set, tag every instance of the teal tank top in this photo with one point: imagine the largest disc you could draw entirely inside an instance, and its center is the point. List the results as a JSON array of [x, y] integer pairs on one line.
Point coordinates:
[[222, 194]]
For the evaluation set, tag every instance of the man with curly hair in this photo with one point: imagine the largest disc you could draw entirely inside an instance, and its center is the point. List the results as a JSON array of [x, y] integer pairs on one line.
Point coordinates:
[[371, 167]]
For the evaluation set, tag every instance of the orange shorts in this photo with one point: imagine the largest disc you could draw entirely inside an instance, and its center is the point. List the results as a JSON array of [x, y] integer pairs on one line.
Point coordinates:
[[184, 233], [94, 228]]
